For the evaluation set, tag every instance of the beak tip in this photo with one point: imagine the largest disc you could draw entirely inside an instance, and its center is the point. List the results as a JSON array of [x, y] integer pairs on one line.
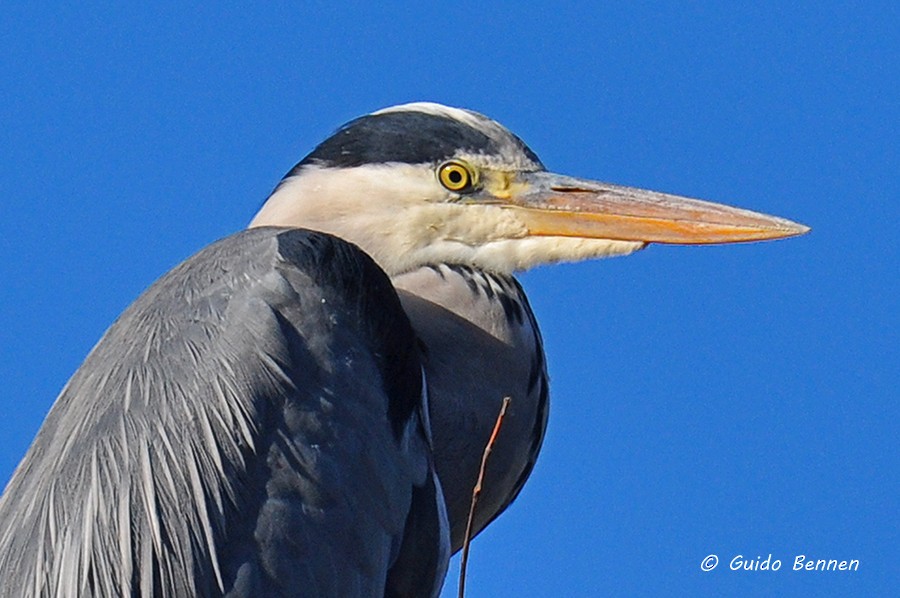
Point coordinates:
[[795, 229]]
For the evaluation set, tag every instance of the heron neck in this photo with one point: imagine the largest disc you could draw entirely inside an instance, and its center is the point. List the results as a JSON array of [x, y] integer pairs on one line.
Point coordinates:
[[481, 344]]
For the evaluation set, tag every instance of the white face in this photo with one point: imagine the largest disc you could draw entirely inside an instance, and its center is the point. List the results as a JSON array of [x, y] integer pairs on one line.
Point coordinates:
[[403, 217]]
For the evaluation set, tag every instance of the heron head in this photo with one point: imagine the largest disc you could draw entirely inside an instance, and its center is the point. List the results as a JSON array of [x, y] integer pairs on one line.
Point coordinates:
[[423, 183]]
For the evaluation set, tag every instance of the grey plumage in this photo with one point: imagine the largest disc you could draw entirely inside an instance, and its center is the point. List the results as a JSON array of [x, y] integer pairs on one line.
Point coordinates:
[[482, 343], [259, 406]]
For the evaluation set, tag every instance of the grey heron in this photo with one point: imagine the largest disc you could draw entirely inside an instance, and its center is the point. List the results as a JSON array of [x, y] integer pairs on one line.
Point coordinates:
[[300, 408]]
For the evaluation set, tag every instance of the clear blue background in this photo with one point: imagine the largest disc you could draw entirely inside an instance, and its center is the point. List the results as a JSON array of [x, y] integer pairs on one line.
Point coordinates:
[[729, 400]]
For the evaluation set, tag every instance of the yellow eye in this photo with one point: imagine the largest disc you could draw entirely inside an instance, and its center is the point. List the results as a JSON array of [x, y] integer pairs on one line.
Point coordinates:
[[455, 176]]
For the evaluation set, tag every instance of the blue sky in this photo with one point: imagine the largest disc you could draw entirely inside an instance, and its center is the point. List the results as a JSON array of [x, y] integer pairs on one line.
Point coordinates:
[[737, 400]]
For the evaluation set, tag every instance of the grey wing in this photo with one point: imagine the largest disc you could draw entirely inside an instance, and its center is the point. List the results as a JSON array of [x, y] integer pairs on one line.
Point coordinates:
[[251, 426]]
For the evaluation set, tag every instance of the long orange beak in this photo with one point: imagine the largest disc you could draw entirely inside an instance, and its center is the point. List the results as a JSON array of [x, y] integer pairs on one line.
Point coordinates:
[[562, 206]]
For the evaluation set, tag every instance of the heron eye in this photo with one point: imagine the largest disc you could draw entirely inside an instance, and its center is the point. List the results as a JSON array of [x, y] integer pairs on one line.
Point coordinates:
[[455, 176]]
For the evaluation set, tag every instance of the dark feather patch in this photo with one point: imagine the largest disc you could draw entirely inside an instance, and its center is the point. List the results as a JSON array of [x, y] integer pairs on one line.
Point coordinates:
[[407, 137], [347, 272]]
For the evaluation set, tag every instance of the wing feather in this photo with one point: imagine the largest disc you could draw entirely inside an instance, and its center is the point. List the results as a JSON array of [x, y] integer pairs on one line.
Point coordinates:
[[247, 427]]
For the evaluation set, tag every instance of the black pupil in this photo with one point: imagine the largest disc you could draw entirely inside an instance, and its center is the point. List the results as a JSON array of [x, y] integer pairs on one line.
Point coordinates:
[[455, 176]]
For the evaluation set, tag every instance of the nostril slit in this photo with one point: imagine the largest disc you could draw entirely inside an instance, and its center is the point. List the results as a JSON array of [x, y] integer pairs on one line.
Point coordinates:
[[575, 190]]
